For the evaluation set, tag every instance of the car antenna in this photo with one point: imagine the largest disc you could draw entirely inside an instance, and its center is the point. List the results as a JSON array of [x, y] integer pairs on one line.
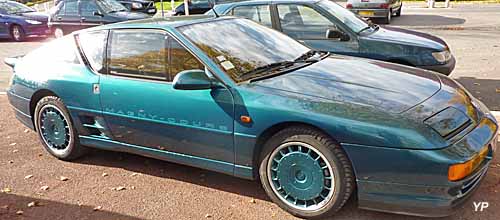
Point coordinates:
[[212, 5]]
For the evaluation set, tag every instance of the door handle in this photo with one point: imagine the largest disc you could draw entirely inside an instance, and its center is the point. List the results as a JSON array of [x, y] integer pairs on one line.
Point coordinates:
[[82, 18], [59, 18]]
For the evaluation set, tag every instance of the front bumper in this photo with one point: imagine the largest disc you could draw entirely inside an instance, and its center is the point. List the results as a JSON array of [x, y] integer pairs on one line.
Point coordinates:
[[415, 182], [371, 12], [445, 69]]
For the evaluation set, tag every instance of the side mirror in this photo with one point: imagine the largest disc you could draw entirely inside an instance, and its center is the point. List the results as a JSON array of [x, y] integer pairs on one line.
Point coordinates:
[[97, 13], [193, 80], [335, 34]]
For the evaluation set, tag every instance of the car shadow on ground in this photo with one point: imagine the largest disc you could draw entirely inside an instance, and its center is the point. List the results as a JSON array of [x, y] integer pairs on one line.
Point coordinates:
[[426, 20], [47, 209], [164, 169], [486, 90]]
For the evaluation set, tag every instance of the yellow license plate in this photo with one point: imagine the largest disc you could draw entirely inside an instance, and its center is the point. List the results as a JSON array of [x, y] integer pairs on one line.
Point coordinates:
[[366, 13]]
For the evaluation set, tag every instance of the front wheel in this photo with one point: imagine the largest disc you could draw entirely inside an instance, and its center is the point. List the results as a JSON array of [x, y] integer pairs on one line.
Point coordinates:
[[306, 173], [17, 33], [55, 129]]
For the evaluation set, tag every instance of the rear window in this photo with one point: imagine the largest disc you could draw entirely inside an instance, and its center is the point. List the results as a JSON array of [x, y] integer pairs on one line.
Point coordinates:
[[92, 45]]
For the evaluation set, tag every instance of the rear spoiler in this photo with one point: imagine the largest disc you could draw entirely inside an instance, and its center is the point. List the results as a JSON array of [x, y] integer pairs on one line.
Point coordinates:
[[11, 61]]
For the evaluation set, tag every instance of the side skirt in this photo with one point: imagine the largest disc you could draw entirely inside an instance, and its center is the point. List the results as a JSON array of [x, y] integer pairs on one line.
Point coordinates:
[[200, 162]]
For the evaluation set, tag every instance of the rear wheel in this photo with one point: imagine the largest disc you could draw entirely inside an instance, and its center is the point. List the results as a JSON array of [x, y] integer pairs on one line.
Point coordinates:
[[17, 33], [388, 18], [55, 129], [398, 12], [58, 32], [306, 173]]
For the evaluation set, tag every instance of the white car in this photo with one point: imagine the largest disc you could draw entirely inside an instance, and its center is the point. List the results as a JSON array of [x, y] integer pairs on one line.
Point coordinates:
[[383, 9]]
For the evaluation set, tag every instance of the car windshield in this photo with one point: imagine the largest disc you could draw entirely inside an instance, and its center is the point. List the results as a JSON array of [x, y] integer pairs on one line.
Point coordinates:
[[240, 46], [14, 8], [110, 6], [354, 22]]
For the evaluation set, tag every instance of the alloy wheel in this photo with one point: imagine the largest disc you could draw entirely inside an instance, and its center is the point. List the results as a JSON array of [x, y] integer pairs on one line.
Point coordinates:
[[54, 128], [301, 176]]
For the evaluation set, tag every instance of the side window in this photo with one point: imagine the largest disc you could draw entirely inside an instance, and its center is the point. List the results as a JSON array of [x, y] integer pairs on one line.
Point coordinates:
[[138, 53], [181, 59], [87, 8], [303, 22], [92, 45], [69, 8], [258, 13]]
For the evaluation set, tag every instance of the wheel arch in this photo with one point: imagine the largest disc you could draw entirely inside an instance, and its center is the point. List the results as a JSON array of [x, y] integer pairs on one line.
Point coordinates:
[[39, 94], [270, 131]]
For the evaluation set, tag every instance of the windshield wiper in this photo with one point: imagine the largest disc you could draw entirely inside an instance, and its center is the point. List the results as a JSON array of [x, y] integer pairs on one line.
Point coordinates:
[[310, 56], [266, 68], [370, 26]]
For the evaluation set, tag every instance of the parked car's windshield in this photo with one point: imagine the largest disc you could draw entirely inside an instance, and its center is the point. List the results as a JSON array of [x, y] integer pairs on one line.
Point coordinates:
[[14, 8], [240, 46], [345, 16], [111, 6]]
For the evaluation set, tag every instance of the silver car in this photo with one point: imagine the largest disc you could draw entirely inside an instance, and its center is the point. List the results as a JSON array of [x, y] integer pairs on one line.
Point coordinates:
[[383, 9]]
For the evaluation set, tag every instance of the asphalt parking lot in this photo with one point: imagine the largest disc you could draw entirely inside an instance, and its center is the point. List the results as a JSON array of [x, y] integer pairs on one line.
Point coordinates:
[[107, 185]]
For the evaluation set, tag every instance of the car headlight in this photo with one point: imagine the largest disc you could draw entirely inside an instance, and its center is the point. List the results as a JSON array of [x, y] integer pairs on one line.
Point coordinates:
[[136, 5], [33, 22], [459, 171], [443, 56], [448, 121]]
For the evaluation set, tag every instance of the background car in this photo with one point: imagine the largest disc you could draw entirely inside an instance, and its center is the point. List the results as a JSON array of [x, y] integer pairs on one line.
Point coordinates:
[[199, 6], [72, 15], [144, 6], [383, 9], [18, 21], [325, 25], [232, 96]]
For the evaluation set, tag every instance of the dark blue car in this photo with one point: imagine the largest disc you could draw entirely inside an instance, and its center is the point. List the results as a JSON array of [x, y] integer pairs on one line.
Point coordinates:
[[325, 25], [18, 21]]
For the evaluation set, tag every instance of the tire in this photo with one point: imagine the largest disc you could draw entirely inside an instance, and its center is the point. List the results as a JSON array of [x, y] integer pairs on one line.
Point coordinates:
[[300, 184], [388, 18], [55, 129], [398, 12], [58, 32], [17, 33]]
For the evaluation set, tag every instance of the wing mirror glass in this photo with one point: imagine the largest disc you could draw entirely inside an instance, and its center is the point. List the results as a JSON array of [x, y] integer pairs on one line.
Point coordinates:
[[193, 80], [336, 34]]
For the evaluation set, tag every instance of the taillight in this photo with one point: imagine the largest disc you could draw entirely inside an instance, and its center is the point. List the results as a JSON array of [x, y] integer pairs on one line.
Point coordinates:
[[348, 5], [384, 5]]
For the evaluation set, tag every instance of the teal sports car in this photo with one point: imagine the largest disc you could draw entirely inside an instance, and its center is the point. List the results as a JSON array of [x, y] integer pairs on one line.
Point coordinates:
[[229, 95]]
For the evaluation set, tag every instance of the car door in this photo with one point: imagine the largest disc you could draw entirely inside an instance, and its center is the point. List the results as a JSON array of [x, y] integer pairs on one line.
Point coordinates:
[[88, 18], [309, 26], [142, 108], [67, 17]]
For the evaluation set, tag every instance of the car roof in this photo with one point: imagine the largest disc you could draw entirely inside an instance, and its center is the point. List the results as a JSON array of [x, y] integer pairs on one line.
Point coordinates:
[[266, 1]]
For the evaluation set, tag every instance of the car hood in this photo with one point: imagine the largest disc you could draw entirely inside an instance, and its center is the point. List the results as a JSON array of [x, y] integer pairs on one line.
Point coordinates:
[[37, 16], [127, 15], [389, 87], [408, 37]]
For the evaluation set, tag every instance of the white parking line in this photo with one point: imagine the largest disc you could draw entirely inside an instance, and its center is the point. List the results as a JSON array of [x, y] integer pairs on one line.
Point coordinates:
[[3, 93]]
